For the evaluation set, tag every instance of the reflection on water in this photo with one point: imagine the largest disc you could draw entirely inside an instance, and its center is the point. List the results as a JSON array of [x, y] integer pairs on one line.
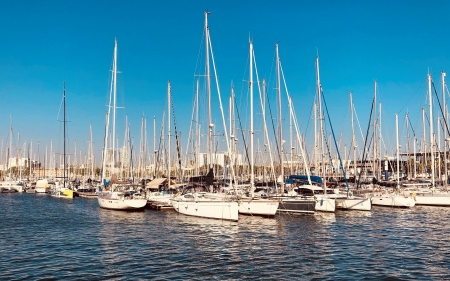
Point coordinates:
[[43, 237]]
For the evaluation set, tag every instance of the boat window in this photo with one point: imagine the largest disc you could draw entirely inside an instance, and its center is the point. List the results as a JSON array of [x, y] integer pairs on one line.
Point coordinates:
[[305, 192]]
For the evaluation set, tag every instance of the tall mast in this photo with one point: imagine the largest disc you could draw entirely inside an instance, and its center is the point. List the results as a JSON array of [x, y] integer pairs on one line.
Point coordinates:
[[168, 133], [252, 175], [263, 103], [444, 106], [322, 150], [154, 146], [355, 166], [280, 129], [379, 145], [431, 130], [208, 80], [316, 167], [438, 146], [374, 130], [291, 147], [91, 151], [424, 142], [114, 106], [64, 155], [197, 131], [398, 154]]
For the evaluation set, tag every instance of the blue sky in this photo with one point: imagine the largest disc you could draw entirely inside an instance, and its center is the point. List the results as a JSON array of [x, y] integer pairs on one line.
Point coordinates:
[[44, 43]]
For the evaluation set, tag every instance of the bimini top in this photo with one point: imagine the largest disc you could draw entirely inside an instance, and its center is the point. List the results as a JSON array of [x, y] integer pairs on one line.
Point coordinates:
[[293, 178]]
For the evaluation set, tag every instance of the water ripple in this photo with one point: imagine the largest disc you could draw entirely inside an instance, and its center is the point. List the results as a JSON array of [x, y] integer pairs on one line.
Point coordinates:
[[45, 238]]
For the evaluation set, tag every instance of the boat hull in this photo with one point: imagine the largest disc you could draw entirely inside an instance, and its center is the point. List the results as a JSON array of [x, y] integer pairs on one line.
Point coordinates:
[[325, 204], [360, 204], [297, 205], [42, 189], [259, 207], [224, 210], [63, 193], [393, 201], [121, 204], [432, 199]]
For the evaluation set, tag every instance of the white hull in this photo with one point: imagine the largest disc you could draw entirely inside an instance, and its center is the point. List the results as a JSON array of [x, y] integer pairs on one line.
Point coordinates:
[[113, 202], [393, 201], [436, 199], [42, 186], [261, 207], [360, 204], [166, 198], [42, 190], [207, 208], [325, 204], [11, 186]]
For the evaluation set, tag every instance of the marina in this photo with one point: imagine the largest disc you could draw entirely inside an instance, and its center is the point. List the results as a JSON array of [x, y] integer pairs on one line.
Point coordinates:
[[321, 153]]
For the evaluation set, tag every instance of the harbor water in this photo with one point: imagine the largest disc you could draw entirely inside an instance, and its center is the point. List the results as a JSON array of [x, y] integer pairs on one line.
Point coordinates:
[[46, 238]]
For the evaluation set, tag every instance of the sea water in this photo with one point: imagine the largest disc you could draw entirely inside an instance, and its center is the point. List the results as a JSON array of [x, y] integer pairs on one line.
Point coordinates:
[[46, 238]]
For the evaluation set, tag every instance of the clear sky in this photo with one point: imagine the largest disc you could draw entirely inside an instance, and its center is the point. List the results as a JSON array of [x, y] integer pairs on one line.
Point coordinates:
[[44, 43]]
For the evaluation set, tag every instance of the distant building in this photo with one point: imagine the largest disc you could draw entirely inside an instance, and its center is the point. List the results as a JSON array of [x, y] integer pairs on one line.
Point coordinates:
[[221, 159]]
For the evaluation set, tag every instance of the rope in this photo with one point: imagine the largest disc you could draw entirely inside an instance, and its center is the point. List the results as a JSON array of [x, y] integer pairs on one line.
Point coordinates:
[[365, 144], [335, 143], [176, 136], [242, 132]]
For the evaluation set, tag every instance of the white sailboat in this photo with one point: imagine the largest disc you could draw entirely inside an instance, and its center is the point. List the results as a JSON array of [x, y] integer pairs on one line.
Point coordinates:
[[432, 196], [394, 199], [255, 205], [118, 197], [292, 203], [208, 205], [349, 201]]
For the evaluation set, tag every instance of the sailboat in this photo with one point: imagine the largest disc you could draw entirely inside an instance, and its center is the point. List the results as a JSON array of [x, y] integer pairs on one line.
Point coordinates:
[[118, 197], [394, 199], [253, 205], [292, 202], [349, 201], [208, 204], [433, 196], [62, 191]]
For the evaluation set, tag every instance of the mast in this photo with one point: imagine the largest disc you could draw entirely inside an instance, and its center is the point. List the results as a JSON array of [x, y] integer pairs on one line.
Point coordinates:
[[414, 157], [322, 150], [280, 129], [252, 175], [290, 136], [424, 142], [197, 131], [379, 146], [108, 114], [91, 151], [355, 166], [374, 130], [445, 131], [438, 146], [263, 103], [398, 154], [316, 167], [431, 131], [114, 106], [208, 80], [168, 133], [64, 155], [154, 147]]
